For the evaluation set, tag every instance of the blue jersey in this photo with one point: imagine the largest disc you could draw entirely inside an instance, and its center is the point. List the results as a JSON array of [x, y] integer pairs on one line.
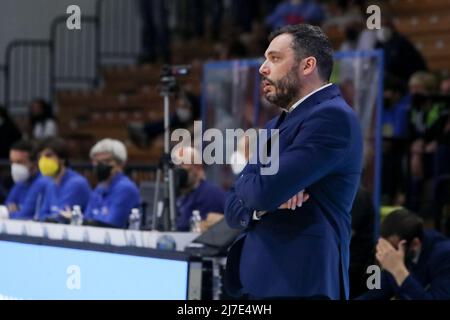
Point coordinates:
[[28, 197], [112, 204], [206, 198], [73, 190]]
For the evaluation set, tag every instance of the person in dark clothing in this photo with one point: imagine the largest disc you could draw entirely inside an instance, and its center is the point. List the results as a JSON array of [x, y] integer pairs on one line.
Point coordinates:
[[43, 123], [9, 133], [187, 109], [362, 241], [155, 33], [402, 59], [415, 263]]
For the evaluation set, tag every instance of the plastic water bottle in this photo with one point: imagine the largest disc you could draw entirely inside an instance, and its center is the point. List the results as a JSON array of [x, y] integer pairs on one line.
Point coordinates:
[[77, 216], [196, 220], [134, 220]]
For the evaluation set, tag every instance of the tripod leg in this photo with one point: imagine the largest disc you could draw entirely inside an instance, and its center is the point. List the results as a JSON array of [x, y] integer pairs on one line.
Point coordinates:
[[155, 200], [172, 211]]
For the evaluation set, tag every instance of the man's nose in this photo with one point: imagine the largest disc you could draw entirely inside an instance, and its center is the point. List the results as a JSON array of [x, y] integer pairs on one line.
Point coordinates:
[[264, 69]]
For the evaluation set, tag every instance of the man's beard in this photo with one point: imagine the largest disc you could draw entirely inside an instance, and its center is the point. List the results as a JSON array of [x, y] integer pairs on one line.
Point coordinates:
[[286, 89]]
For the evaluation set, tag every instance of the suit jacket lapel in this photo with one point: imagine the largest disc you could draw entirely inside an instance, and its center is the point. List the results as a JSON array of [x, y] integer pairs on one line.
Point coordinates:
[[299, 113]]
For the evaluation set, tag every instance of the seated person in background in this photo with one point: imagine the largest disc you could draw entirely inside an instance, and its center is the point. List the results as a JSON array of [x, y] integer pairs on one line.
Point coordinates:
[[402, 59], [415, 263], [116, 195], [195, 192], [25, 198], [186, 111], [67, 188], [42, 121], [426, 122]]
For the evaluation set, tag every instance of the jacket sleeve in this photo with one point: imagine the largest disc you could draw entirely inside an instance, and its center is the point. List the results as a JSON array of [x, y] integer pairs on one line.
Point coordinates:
[[236, 214], [438, 288], [316, 150]]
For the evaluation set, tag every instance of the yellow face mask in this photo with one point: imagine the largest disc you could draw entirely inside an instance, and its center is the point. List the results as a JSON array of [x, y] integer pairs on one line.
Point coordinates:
[[48, 166]]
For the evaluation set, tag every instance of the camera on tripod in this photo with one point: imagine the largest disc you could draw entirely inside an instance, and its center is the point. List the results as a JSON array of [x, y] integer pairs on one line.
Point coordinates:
[[169, 76]]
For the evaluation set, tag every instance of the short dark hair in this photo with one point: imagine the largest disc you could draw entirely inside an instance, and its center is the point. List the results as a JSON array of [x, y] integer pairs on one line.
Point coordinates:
[[309, 40], [25, 146], [404, 224], [57, 145]]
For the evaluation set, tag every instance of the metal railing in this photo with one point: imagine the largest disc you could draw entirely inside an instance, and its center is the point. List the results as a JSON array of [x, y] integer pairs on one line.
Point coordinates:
[[28, 73], [3, 82], [120, 30], [76, 54], [71, 59]]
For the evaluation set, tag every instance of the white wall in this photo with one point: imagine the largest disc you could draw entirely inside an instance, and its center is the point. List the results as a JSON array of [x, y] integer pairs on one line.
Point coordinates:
[[31, 19]]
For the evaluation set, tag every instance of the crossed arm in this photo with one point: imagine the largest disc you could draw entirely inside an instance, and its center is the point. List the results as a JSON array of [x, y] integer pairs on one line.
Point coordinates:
[[313, 154]]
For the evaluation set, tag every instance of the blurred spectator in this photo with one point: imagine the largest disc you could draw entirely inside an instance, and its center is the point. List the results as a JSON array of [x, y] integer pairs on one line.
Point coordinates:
[[115, 195], [396, 105], [294, 12], [445, 86], [244, 13], [416, 263], [402, 59], [362, 241], [25, 198], [155, 33], [9, 133], [67, 188], [186, 111], [196, 193], [42, 121], [426, 123]]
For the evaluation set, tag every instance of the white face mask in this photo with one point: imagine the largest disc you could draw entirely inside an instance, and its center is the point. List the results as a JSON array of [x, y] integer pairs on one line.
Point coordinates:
[[184, 114], [237, 162], [384, 34], [19, 172]]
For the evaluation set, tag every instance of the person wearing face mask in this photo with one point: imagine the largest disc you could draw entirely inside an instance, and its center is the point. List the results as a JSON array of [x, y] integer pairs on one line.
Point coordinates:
[[402, 59], [67, 188], [116, 195], [196, 193], [415, 263], [186, 111], [9, 133], [24, 199]]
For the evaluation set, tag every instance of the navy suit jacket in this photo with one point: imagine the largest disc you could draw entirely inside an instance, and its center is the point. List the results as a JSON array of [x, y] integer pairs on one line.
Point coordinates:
[[429, 279], [301, 253]]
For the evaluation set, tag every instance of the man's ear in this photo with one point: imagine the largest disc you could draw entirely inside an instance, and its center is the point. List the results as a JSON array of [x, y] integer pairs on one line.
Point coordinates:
[[416, 244], [308, 65]]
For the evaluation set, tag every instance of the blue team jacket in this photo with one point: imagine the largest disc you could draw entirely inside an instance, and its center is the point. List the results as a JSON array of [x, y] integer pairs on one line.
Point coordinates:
[[28, 197], [112, 204], [73, 190]]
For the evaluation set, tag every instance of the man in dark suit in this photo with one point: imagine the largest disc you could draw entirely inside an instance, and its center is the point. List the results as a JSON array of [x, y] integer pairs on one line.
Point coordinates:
[[416, 263], [291, 249]]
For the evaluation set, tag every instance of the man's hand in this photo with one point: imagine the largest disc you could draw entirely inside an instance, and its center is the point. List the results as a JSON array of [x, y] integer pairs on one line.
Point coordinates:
[[295, 201], [392, 260], [12, 207], [66, 213]]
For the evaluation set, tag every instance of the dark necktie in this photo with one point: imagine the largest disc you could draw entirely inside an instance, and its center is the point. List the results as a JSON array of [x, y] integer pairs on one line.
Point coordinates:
[[280, 120]]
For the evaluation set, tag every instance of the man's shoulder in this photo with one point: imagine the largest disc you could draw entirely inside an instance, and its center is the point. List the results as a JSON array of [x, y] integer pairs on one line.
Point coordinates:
[[212, 188], [125, 184], [440, 251], [76, 179]]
